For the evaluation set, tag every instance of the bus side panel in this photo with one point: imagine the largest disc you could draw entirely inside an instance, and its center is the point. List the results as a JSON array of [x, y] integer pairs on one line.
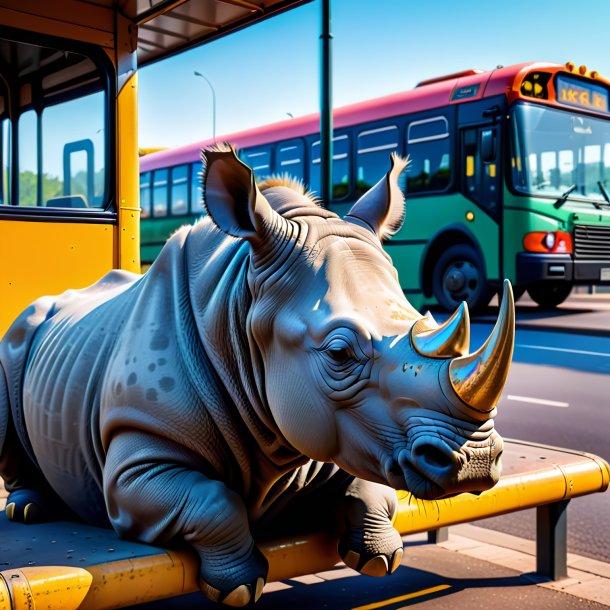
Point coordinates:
[[427, 218], [29, 250]]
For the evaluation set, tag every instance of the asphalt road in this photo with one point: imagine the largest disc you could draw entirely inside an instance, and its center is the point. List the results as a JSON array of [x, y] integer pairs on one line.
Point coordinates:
[[558, 393]]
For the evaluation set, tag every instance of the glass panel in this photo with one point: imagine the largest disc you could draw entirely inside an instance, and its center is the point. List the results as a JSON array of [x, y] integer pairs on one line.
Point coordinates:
[[196, 190], [145, 194], [28, 159], [341, 167], [180, 190], [6, 165], [289, 159], [259, 159], [557, 149], [160, 192], [73, 157], [430, 167], [372, 155], [428, 129]]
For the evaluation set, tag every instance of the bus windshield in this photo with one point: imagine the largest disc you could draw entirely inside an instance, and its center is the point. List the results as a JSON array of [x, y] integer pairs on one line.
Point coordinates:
[[556, 151]]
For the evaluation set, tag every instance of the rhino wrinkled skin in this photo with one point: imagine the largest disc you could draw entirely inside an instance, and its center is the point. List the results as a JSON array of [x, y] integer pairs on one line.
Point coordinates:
[[265, 367]]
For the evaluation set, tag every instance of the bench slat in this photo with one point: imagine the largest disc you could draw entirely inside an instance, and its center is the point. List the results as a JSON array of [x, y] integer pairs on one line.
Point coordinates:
[[107, 572]]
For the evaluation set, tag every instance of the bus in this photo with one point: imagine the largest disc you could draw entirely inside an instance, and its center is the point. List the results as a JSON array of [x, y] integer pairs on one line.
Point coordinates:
[[69, 193], [509, 178]]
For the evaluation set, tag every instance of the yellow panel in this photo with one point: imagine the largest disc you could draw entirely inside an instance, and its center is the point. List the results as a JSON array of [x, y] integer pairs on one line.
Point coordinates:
[[38, 258], [128, 176]]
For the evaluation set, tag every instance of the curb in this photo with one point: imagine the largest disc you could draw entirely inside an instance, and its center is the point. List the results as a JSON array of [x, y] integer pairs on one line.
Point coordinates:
[[587, 579]]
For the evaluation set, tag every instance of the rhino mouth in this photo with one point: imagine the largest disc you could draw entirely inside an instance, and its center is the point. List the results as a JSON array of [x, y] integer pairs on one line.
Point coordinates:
[[402, 474]]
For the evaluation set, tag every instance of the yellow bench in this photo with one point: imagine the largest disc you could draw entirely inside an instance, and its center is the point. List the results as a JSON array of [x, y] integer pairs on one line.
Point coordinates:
[[97, 570]]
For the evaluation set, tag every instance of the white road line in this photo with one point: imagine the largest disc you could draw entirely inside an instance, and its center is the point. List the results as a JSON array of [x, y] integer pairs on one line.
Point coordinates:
[[539, 401], [563, 349]]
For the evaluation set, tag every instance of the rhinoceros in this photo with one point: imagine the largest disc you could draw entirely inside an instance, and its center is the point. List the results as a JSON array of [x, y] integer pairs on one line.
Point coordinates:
[[268, 364]]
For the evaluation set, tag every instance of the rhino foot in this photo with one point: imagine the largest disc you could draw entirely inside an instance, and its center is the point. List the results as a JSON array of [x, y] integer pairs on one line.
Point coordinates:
[[27, 506], [369, 543], [373, 557], [239, 597], [237, 587]]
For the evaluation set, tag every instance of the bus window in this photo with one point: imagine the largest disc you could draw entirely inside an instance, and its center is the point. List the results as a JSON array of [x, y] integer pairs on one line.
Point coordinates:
[[196, 189], [180, 190], [290, 159], [73, 153], [159, 194], [428, 148], [259, 159], [5, 133], [373, 147], [341, 167], [145, 194], [482, 178], [28, 159]]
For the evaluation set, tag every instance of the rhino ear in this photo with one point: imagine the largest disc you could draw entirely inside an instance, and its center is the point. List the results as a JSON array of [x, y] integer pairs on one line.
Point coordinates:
[[231, 197], [382, 208]]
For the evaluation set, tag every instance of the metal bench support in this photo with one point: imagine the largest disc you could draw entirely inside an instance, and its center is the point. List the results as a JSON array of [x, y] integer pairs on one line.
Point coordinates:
[[552, 540], [439, 535]]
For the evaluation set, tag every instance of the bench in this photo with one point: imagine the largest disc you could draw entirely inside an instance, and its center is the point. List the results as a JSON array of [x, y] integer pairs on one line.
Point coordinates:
[[100, 571]]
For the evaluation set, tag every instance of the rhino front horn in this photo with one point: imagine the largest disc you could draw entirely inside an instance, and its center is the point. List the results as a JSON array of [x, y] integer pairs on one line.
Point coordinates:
[[446, 341], [478, 378]]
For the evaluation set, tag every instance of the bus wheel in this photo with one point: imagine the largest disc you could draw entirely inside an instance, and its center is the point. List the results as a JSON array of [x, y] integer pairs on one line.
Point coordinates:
[[549, 294], [459, 276]]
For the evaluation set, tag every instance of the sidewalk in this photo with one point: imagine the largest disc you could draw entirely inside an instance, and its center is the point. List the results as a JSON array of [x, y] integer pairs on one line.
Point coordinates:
[[588, 579]]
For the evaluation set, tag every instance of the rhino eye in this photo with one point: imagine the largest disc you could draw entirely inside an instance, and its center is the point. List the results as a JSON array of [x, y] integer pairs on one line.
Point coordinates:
[[339, 354]]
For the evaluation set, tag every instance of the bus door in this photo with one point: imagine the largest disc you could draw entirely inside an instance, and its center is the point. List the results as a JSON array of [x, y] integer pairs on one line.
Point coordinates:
[[481, 180]]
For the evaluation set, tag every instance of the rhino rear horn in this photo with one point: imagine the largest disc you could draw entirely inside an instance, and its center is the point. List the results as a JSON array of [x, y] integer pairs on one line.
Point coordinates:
[[382, 208], [231, 197], [446, 341]]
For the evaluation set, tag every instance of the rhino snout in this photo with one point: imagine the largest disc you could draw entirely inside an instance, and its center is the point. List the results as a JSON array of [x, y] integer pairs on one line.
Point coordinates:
[[432, 469]]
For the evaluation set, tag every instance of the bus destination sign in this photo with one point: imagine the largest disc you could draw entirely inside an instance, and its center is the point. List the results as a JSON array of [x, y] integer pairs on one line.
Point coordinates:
[[579, 94]]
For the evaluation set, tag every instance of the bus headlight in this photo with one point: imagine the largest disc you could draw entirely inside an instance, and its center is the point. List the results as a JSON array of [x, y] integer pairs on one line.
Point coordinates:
[[556, 242]]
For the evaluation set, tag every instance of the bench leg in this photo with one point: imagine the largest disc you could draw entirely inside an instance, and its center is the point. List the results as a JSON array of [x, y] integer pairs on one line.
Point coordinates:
[[439, 535], [552, 540]]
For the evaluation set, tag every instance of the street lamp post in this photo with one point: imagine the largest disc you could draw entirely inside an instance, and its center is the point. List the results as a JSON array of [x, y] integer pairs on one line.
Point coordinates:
[[196, 73]]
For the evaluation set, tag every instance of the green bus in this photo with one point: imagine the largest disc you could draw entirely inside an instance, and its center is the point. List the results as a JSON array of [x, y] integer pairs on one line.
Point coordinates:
[[509, 178]]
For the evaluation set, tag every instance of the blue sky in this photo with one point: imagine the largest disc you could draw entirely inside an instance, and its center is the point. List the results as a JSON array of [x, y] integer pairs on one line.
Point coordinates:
[[268, 70]]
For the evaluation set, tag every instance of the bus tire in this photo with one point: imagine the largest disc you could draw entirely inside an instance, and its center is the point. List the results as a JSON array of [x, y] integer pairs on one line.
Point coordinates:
[[459, 275], [549, 294]]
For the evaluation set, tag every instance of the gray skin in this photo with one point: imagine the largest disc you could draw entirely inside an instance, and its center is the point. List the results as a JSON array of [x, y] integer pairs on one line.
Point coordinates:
[[261, 367]]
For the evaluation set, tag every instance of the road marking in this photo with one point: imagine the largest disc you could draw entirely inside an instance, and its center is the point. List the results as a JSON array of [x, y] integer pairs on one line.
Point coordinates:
[[539, 401], [564, 349], [402, 598]]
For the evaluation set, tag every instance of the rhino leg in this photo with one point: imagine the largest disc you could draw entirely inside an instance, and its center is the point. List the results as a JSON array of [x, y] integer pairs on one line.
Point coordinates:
[[156, 492], [30, 499], [370, 544]]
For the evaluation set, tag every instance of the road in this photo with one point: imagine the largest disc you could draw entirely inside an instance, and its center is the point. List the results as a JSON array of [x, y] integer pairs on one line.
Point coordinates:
[[558, 393]]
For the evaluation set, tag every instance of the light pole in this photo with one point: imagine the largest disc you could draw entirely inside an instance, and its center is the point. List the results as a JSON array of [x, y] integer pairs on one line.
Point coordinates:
[[213, 103]]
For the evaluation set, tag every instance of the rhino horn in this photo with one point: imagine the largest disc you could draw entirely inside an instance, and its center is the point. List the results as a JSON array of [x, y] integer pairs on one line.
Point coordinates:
[[478, 378], [446, 341]]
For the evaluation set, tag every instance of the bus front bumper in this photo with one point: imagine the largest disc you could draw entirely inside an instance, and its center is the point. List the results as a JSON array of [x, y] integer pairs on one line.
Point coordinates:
[[532, 267]]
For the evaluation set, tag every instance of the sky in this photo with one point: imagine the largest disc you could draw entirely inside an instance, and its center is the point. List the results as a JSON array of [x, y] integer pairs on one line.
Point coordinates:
[[269, 71]]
